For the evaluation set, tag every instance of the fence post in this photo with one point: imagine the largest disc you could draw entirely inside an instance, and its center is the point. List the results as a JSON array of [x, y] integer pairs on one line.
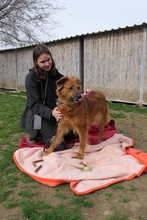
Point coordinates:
[[16, 63], [81, 59], [142, 67]]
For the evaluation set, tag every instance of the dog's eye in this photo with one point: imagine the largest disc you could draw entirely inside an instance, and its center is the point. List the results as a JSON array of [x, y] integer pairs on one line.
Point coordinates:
[[70, 88], [78, 87]]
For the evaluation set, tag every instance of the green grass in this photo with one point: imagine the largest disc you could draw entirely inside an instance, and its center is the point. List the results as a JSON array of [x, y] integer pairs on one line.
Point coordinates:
[[81, 201], [117, 186], [20, 191], [133, 188], [127, 107], [119, 110], [117, 216]]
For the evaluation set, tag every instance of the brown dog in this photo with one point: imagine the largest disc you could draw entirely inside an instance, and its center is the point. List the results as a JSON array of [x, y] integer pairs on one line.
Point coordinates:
[[79, 112]]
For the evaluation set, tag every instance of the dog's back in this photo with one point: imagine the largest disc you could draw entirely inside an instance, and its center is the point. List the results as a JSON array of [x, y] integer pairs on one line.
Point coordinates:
[[96, 107]]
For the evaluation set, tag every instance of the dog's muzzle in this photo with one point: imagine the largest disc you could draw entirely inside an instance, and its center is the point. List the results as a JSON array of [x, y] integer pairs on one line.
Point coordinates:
[[76, 98]]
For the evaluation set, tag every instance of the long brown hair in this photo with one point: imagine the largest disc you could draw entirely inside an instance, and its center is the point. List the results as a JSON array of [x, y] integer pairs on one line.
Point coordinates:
[[39, 50]]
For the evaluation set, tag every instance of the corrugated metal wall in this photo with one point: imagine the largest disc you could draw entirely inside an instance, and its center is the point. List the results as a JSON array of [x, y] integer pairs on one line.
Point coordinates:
[[65, 54], [113, 61], [7, 69]]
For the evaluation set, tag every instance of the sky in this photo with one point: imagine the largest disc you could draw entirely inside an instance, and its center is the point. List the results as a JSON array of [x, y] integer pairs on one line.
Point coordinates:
[[88, 16]]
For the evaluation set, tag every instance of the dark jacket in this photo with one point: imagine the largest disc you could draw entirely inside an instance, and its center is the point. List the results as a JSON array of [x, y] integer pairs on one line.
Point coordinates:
[[35, 92]]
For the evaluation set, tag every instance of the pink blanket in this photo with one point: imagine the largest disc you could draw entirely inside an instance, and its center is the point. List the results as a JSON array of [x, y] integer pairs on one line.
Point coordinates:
[[108, 162]]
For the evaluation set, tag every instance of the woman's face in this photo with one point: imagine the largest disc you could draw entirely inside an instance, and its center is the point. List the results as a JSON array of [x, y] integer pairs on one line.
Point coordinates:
[[44, 62]]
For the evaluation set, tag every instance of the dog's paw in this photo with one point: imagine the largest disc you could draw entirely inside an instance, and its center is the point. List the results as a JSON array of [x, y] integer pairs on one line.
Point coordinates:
[[44, 153], [78, 156]]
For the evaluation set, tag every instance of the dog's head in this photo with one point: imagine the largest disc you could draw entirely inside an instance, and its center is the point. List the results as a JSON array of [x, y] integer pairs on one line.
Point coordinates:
[[69, 90]]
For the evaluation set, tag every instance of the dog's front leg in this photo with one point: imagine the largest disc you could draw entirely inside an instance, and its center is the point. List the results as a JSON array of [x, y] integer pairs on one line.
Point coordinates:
[[83, 136], [58, 138]]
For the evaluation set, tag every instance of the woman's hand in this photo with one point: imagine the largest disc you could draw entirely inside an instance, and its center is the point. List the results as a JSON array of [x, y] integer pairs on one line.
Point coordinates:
[[87, 91], [57, 114]]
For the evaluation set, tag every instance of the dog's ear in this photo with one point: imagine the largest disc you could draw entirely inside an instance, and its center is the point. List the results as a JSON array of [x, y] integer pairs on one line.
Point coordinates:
[[61, 82]]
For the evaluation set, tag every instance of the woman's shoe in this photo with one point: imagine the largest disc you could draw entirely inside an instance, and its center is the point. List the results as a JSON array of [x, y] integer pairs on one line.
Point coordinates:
[[30, 140]]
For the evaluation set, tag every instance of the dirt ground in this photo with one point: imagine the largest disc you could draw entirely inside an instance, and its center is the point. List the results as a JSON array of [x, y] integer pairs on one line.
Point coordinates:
[[108, 201]]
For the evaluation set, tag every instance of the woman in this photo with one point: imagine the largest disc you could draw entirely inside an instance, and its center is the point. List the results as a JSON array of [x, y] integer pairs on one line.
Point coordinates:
[[41, 97]]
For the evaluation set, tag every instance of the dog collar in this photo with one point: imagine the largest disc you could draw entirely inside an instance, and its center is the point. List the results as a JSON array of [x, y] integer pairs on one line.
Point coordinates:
[[59, 102]]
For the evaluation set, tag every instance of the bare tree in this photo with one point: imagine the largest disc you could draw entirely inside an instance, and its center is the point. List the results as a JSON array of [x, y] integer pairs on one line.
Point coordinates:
[[24, 22]]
